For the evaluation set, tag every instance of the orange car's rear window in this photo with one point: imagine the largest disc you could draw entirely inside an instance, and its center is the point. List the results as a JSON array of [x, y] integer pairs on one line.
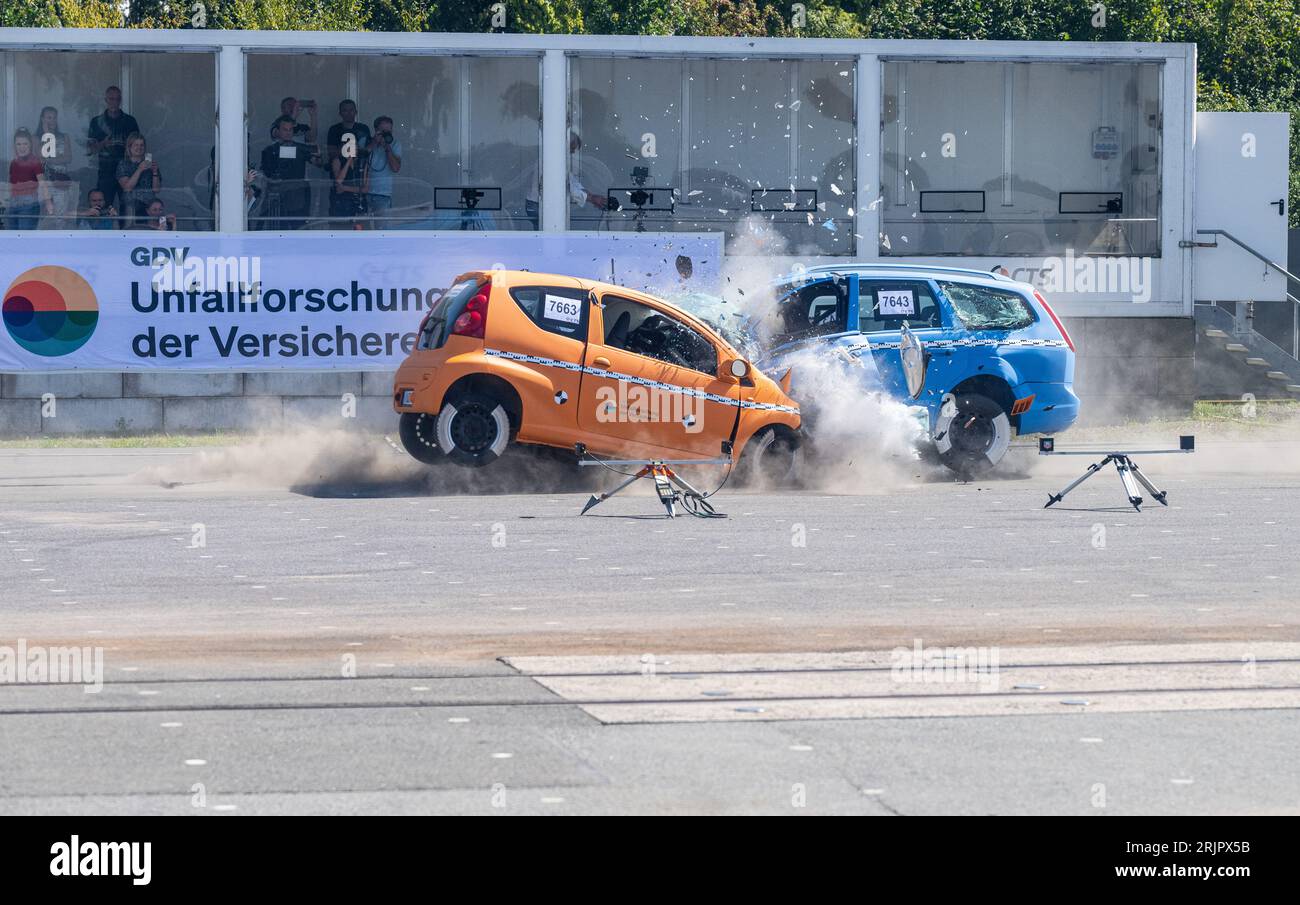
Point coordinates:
[[445, 311]]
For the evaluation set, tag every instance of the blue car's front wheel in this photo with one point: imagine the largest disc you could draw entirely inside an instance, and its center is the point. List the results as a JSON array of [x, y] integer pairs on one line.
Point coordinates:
[[972, 433]]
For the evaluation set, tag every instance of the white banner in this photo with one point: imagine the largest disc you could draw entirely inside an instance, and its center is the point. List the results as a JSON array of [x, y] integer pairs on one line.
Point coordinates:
[[132, 302]]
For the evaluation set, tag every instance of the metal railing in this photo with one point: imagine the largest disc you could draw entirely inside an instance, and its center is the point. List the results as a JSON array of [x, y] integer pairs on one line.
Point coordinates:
[[1295, 313]]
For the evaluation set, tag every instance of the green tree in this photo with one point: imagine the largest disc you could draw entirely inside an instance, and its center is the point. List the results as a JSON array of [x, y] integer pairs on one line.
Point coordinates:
[[27, 14], [400, 15], [561, 17]]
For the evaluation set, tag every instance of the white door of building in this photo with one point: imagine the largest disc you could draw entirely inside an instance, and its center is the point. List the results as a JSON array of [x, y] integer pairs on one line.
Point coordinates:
[[1241, 187]]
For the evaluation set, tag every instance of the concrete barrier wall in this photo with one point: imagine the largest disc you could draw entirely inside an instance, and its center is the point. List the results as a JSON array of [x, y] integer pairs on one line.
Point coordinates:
[[1127, 368], [162, 402], [1133, 368]]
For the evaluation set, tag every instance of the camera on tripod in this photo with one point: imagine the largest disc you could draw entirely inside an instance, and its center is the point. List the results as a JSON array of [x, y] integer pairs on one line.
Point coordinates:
[[470, 202], [640, 197], [469, 198]]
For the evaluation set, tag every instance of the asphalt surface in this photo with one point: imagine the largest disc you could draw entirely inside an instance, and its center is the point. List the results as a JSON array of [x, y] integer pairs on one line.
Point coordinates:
[[340, 633]]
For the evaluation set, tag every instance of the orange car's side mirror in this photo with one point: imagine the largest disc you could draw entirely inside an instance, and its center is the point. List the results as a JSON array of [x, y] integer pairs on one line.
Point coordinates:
[[733, 369]]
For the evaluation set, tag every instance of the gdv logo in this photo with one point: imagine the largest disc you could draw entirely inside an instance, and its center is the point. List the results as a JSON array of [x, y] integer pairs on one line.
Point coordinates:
[[175, 269]]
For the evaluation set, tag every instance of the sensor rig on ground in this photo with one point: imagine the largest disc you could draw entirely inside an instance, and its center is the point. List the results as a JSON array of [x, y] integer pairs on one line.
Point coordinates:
[[671, 487], [1124, 464]]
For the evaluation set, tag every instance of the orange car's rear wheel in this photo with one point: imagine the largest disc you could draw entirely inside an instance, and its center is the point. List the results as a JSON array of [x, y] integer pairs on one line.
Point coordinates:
[[473, 428], [419, 435]]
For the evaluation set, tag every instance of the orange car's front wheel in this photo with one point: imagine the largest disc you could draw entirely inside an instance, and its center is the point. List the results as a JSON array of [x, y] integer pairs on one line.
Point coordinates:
[[770, 457]]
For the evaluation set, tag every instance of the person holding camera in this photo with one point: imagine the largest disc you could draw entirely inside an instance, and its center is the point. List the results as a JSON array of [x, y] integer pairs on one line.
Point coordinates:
[[284, 165], [99, 214], [138, 177], [292, 107], [385, 160], [252, 191], [156, 217]]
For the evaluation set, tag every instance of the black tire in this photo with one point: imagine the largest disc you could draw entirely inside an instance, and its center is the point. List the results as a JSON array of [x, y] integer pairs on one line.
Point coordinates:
[[769, 459], [972, 434], [473, 428], [418, 433]]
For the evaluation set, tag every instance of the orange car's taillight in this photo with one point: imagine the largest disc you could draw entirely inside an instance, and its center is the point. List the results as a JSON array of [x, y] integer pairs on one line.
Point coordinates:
[[473, 319]]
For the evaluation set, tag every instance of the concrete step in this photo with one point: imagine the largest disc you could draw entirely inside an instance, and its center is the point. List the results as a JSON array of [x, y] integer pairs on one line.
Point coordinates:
[[1277, 375], [1257, 362], [1293, 387], [1215, 333], [1236, 347]]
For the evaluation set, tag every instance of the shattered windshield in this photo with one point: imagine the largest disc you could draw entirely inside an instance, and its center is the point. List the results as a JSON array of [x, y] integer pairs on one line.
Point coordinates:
[[778, 314], [728, 320], [985, 308]]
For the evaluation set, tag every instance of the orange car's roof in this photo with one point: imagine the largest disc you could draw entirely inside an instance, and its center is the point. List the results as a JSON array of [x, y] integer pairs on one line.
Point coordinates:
[[526, 277], [517, 277], [530, 277]]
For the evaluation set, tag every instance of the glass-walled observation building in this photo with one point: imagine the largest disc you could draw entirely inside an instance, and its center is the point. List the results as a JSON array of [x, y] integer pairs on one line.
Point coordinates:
[[816, 150]]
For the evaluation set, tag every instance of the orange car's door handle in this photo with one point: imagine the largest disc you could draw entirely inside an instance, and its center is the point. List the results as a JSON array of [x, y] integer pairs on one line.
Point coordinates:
[[600, 361]]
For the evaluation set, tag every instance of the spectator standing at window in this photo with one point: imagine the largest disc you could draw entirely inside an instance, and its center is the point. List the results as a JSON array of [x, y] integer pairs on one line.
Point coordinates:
[[292, 107], [588, 173], [578, 194], [252, 191], [385, 161], [99, 214], [284, 164], [55, 151], [138, 177], [108, 134], [349, 192], [334, 140], [26, 184], [347, 165]]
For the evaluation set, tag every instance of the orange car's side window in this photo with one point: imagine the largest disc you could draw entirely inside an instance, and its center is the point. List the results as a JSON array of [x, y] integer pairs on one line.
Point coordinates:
[[638, 328], [556, 309]]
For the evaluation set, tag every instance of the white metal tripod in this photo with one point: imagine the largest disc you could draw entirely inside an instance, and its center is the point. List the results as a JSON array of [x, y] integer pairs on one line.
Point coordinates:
[[1128, 471]]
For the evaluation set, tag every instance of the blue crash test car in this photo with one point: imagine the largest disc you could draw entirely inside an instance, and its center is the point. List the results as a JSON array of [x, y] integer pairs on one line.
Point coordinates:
[[997, 360]]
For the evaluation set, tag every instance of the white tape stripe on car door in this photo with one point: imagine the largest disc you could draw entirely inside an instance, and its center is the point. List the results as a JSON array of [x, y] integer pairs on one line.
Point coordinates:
[[962, 343], [640, 381]]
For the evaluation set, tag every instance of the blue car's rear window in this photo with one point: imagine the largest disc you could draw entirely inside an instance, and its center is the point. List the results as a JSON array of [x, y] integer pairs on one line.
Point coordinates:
[[985, 308]]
